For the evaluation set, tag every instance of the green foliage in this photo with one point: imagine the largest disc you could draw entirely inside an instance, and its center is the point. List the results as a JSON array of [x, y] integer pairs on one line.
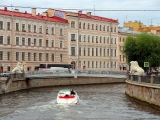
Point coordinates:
[[142, 48]]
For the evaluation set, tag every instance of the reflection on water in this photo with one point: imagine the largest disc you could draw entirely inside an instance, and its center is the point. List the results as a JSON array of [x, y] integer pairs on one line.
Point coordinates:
[[98, 102]]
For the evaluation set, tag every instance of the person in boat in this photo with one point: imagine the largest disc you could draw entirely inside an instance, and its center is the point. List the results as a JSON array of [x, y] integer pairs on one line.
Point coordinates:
[[72, 92]]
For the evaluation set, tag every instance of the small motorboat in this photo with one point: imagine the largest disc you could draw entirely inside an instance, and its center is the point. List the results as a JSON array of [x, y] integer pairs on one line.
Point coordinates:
[[67, 96]]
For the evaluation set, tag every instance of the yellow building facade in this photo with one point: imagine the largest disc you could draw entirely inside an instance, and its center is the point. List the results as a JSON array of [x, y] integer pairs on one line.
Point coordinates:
[[138, 26], [32, 38], [92, 40]]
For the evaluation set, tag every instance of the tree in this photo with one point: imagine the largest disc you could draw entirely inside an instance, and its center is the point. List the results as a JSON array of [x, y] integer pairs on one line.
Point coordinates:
[[142, 48]]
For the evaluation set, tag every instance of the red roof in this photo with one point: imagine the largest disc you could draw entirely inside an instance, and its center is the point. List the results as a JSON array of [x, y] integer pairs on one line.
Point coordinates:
[[27, 15], [97, 18]]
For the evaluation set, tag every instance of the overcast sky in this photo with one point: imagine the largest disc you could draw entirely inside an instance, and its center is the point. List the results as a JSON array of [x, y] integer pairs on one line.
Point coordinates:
[[146, 17]]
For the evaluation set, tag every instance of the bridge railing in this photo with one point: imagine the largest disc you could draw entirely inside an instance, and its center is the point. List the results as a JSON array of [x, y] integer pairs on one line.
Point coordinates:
[[50, 72], [153, 79]]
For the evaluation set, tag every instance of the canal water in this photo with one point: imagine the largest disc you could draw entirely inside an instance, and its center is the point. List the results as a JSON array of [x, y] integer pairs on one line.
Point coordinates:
[[97, 102]]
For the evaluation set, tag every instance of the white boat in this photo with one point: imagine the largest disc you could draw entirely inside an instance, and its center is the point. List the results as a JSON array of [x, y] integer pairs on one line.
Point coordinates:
[[66, 97]]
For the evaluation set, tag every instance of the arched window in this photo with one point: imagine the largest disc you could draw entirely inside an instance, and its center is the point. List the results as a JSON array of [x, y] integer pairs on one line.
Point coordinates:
[[61, 31], [115, 29], [92, 26], [96, 27]]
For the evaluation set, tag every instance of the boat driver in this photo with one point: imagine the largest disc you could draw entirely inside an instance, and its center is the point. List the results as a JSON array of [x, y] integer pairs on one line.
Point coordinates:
[[72, 92]]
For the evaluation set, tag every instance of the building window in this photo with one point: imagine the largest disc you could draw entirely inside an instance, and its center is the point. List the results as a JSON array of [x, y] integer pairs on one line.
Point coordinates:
[[34, 28], [40, 42], [17, 26], [108, 28], [17, 40], [34, 42], [23, 28], [108, 40], [72, 24], [88, 26], [104, 64], [8, 55], [40, 29], [115, 52], [29, 56], [79, 51], [79, 24], [96, 39], [23, 56], [29, 28], [73, 37], [8, 40], [96, 27], [46, 43], [61, 31], [61, 57], [29, 41], [104, 39], [88, 38], [23, 41], [104, 28], [96, 64], [92, 26], [40, 56], [115, 41], [52, 30], [100, 39], [92, 39], [1, 24], [52, 43], [17, 55], [84, 52], [47, 56], [1, 55], [100, 28], [104, 52], [108, 52], [111, 29], [1, 39], [115, 29], [79, 38], [88, 64], [52, 57], [92, 51], [84, 25], [111, 52], [46, 30], [73, 51], [92, 64], [61, 44], [84, 38], [100, 64], [35, 56], [88, 51], [96, 51], [8, 26], [100, 52]]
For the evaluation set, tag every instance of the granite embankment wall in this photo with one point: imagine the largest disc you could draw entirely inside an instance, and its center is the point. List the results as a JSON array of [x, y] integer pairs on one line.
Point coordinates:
[[147, 89], [16, 85]]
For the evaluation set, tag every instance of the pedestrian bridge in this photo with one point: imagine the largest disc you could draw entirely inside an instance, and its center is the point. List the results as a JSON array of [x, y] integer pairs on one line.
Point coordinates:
[[75, 74]]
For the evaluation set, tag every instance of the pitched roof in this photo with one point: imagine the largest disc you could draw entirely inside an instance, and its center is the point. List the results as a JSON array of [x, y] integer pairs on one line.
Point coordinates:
[[29, 16], [97, 18]]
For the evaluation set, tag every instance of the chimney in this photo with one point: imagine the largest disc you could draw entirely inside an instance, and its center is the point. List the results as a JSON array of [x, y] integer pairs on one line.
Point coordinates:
[[16, 10], [89, 14], [44, 14], [80, 12], [33, 11]]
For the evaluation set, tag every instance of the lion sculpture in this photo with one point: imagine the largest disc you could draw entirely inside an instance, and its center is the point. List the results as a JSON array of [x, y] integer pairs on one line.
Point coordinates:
[[20, 68], [135, 68]]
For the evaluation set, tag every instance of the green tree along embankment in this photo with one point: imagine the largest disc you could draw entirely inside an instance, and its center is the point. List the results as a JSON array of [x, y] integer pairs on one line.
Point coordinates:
[[142, 48]]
